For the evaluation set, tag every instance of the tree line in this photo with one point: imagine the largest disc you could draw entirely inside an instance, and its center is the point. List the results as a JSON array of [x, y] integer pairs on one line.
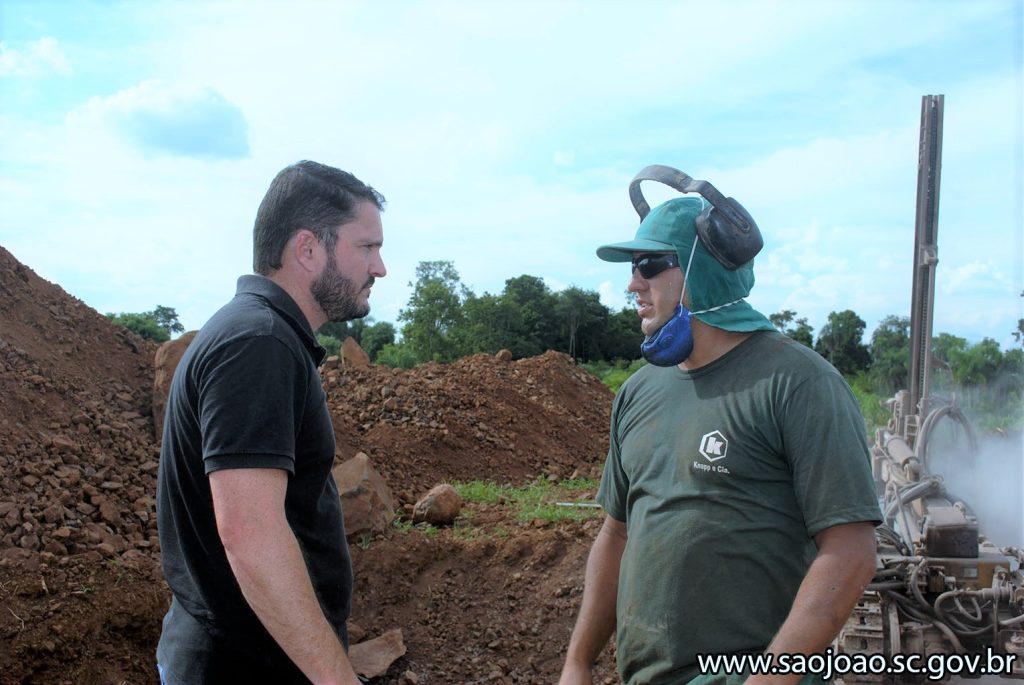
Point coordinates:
[[444, 320]]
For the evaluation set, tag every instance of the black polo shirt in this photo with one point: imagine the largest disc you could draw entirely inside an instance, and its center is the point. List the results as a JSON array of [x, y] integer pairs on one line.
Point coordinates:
[[246, 394]]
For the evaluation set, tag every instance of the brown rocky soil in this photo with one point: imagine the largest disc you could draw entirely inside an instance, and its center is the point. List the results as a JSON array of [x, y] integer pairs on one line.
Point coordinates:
[[81, 592]]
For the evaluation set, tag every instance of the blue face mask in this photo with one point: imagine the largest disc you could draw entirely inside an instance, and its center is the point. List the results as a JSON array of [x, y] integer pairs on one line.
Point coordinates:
[[671, 344]]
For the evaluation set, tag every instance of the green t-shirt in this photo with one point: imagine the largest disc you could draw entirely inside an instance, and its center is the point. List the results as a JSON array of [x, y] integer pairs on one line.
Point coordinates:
[[723, 476]]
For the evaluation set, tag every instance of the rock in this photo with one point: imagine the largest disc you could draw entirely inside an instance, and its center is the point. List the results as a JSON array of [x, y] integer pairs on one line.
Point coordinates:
[[23, 558], [53, 513], [366, 499], [110, 513], [372, 658], [64, 444], [356, 633], [503, 355], [353, 355], [439, 507], [164, 363], [55, 548]]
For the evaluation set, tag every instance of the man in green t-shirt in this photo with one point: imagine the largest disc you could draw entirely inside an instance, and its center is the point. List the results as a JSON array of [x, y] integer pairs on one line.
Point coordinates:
[[738, 491]]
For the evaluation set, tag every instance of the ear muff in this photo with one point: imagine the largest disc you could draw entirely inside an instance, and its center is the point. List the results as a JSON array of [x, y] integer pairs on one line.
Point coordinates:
[[727, 230]]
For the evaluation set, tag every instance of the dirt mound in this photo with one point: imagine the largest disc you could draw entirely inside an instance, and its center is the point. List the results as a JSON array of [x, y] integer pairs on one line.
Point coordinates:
[[476, 606], [77, 462], [478, 418], [81, 594]]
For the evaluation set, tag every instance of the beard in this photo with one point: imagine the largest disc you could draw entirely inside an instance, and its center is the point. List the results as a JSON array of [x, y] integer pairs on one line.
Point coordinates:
[[337, 295]]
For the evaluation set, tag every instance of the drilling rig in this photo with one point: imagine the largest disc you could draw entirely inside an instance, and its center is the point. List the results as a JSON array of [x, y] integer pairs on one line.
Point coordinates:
[[940, 587]]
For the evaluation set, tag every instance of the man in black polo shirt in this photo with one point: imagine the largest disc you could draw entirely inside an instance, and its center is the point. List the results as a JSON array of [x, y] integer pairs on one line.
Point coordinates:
[[249, 516]]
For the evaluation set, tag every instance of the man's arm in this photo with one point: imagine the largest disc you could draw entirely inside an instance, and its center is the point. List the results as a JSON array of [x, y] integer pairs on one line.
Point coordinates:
[[268, 564], [843, 567], [596, 621]]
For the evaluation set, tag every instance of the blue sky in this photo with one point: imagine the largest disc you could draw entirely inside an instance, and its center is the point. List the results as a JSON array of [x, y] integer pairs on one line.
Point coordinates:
[[137, 139]]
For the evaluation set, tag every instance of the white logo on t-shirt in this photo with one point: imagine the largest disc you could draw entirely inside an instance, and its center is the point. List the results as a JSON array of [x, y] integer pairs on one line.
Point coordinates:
[[713, 446]]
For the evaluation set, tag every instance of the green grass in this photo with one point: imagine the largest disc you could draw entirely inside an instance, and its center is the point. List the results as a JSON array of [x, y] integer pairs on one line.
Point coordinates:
[[613, 375], [481, 492], [463, 529], [875, 415], [537, 500]]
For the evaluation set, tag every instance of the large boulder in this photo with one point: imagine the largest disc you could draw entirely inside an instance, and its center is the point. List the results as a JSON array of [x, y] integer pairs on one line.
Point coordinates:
[[366, 499], [438, 507], [165, 361], [353, 355]]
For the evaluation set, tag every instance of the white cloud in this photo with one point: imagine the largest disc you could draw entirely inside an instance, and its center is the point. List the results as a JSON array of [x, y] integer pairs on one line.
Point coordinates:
[[612, 295], [504, 135], [39, 57], [563, 157], [183, 120]]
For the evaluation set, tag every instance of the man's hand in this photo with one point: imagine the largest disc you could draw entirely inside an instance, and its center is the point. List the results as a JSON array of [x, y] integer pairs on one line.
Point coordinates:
[[268, 565]]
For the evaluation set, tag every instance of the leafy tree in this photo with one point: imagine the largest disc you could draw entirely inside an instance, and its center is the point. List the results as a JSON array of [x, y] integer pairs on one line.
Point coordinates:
[[373, 338], [494, 323], [945, 347], [434, 313], [987, 381], [1013, 365], [782, 319], [840, 342], [584, 321], [167, 319], [157, 325], [398, 355], [346, 329], [890, 354], [329, 343], [143, 325], [536, 303], [977, 364], [1018, 334], [622, 336], [798, 329]]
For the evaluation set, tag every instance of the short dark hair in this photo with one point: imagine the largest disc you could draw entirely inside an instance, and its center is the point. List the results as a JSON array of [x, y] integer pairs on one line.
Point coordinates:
[[305, 195]]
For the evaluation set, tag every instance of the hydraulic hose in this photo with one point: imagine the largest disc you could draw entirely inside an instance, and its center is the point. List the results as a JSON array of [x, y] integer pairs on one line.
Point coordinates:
[[953, 412]]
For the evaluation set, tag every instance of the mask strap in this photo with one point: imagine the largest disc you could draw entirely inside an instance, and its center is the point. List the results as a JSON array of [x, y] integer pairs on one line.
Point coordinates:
[[686, 274], [721, 306]]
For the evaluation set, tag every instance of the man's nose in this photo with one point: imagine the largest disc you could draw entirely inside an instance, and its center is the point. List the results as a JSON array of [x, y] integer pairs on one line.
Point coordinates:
[[377, 269], [636, 282]]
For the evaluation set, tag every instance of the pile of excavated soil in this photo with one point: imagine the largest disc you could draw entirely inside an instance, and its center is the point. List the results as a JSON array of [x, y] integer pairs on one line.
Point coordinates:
[[81, 592], [77, 459], [478, 418]]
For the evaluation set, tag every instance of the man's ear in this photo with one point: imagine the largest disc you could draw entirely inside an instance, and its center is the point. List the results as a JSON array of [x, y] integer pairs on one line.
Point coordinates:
[[305, 251]]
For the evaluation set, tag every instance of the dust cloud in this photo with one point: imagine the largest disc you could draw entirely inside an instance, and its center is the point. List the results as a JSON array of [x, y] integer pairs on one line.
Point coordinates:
[[990, 482]]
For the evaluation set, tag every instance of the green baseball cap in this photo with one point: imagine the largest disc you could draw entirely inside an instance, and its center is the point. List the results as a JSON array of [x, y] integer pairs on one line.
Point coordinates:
[[716, 293]]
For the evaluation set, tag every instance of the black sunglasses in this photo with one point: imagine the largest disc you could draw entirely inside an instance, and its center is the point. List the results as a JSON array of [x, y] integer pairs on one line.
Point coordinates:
[[650, 265]]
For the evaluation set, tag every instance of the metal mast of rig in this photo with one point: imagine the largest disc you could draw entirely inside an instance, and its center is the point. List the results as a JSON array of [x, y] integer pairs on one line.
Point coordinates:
[[926, 252]]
